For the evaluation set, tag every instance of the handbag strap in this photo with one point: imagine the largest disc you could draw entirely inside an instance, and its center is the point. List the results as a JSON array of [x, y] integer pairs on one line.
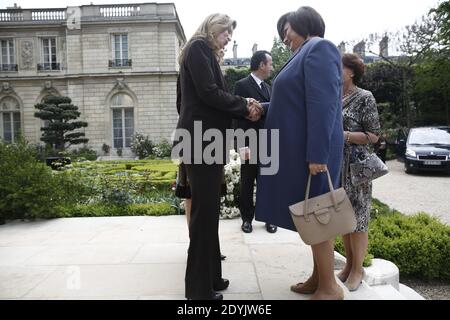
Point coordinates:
[[308, 187], [368, 138]]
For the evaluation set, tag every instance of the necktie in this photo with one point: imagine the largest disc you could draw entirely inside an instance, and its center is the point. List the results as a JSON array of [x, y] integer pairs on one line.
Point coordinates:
[[264, 89]]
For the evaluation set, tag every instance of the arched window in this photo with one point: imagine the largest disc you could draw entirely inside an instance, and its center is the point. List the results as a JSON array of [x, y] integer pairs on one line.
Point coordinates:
[[10, 124], [123, 120]]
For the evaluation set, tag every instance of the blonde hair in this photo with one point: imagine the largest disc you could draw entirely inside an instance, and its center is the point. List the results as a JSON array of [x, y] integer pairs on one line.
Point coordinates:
[[210, 28]]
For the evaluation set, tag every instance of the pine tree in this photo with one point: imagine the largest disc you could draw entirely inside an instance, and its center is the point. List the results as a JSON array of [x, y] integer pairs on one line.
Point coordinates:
[[59, 112]]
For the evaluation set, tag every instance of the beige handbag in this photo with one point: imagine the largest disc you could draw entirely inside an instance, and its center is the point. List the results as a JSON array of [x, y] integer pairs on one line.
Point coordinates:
[[327, 215]]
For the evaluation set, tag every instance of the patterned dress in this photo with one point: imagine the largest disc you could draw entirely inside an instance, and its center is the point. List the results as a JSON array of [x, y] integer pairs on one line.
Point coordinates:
[[360, 115]]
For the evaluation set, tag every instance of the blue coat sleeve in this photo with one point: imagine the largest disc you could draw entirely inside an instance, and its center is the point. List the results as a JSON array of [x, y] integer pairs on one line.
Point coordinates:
[[323, 86]]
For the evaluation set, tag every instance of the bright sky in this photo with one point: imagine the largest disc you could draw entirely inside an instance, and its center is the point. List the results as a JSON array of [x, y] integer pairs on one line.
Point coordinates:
[[345, 20]]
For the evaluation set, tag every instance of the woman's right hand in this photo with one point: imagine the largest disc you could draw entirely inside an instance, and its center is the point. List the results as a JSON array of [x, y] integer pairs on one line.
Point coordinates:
[[315, 168], [254, 108]]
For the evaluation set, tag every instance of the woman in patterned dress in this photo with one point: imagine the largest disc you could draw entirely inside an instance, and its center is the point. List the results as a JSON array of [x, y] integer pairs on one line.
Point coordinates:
[[361, 123]]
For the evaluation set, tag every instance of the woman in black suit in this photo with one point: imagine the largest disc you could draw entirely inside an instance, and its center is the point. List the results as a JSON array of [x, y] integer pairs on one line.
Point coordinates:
[[205, 100]]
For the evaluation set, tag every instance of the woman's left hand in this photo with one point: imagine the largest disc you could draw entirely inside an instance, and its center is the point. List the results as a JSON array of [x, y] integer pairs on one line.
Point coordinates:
[[315, 168]]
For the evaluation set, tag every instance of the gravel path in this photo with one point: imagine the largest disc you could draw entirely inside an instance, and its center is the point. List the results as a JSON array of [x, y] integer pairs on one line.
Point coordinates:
[[411, 193]]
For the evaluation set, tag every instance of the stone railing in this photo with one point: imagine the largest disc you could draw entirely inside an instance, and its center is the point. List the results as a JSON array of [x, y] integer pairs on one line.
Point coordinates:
[[48, 14], [11, 15], [89, 13], [17, 15], [120, 10]]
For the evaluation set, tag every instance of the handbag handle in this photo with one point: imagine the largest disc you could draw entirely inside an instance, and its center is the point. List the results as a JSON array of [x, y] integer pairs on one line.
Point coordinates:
[[308, 187], [368, 137]]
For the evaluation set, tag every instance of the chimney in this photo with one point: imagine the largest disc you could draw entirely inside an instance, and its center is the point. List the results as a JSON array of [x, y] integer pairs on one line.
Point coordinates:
[[341, 47], [235, 51], [255, 48], [360, 49], [14, 8], [384, 43]]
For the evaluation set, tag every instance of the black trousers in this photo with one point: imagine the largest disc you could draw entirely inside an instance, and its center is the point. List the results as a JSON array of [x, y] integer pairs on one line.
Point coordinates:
[[249, 173], [204, 266]]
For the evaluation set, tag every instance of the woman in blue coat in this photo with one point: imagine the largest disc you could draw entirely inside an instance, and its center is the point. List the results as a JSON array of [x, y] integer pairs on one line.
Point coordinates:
[[306, 109]]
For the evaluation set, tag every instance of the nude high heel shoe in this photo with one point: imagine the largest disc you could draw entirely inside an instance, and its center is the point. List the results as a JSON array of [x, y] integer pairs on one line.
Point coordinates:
[[341, 276], [353, 286]]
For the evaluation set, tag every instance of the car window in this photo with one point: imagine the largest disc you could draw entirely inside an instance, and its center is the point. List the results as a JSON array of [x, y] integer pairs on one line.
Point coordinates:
[[430, 136]]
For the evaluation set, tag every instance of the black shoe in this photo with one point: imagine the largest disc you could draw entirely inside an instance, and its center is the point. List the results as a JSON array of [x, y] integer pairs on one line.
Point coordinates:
[[247, 227], [221, 285], [215, 296], [271, 228], [222, 257]]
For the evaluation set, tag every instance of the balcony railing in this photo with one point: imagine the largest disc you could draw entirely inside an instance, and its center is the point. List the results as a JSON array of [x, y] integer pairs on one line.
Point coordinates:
[[120, 10], [17, 15], [11, 15], [117, 63], [48, 14], [8, 67], [55, 66]]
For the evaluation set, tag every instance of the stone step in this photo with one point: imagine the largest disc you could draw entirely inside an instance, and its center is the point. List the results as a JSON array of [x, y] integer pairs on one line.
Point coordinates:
[[388, 292], [364, 292], [409, 293], [381, 282]]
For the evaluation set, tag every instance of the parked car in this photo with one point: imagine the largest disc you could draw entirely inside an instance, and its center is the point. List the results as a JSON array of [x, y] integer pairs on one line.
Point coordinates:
[[428, 148]]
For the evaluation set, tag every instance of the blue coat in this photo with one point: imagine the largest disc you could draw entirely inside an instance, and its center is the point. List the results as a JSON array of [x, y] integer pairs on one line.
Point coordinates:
[[306, 108]]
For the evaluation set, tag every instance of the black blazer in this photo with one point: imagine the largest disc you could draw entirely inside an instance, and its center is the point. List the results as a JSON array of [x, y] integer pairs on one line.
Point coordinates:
[[202, 94], [248, 88]]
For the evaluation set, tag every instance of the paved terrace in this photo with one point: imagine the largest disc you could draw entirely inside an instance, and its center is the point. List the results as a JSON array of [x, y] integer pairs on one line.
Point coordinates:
[[145, 258]]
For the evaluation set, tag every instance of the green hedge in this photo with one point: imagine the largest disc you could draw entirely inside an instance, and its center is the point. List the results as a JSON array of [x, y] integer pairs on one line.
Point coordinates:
[[29, 189], [101, 210], [419, 244]]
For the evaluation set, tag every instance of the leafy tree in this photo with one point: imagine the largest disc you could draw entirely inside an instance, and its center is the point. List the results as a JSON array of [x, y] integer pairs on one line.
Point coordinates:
[[415, 43], [384, 80], [442, 16], [233, 75], [432, 90], [59, 112], [280, 54]]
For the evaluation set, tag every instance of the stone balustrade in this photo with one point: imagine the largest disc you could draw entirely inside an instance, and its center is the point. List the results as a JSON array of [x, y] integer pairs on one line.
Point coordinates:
[[88, 12]]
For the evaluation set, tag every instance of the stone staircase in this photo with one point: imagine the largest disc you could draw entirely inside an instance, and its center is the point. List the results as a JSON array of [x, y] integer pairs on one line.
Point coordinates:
[[380, 283]]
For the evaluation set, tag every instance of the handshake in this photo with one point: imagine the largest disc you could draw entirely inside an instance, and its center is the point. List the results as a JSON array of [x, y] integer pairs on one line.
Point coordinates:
[[255, 109]]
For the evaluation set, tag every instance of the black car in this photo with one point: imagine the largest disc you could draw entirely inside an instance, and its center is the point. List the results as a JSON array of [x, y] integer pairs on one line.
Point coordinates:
[[428, 148]]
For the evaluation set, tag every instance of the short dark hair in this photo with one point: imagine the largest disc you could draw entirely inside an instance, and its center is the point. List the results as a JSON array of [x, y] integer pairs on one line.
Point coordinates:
[[356, 64], [307, 22], [281, 23], [257, 58]]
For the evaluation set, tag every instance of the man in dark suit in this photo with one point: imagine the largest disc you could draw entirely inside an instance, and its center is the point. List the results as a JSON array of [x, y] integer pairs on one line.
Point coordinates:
[[252, 86]]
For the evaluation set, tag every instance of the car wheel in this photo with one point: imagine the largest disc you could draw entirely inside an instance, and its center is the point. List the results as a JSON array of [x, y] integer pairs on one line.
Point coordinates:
[[409, 170]]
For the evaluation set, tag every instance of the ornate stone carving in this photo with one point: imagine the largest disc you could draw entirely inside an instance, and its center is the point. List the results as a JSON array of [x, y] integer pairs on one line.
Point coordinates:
[[27, 55], [49, 89], [120, 85], [6, 88]]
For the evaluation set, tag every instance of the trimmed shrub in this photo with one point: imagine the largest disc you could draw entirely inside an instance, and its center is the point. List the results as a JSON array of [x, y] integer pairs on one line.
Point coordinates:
[[82, 154], [103, 210], [162, 150], [29, 189], [141, 145], [419, 245]]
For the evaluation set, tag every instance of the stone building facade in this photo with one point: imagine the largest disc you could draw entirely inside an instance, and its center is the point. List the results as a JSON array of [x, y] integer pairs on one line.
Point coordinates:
[[118, 64]]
